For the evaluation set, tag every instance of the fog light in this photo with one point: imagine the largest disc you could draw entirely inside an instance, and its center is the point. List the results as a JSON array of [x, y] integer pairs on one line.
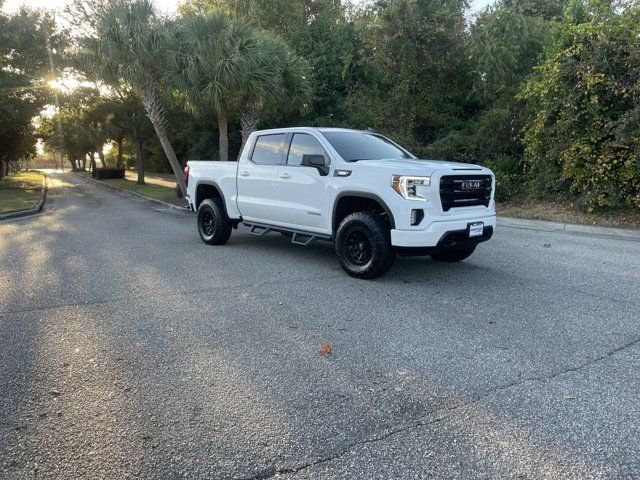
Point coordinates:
[[417, 214]]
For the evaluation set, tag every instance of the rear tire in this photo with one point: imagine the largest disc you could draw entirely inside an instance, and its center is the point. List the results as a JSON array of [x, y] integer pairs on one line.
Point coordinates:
[[453, 255], [363, 245], [214, 226]]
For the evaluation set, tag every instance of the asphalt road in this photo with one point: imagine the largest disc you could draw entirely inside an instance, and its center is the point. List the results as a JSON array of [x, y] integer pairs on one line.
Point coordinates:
[[130, 349]]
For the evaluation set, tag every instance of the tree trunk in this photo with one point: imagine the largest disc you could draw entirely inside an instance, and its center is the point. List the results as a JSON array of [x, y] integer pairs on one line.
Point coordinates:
[[139, 151], [249, 119], [84, 163], [1, 168], [101, 155], [223, 127], [152, 102], [92, 163], [119, 162]]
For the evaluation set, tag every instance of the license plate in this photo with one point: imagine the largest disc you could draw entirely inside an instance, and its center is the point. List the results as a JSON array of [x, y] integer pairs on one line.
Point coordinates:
[[476, 229]]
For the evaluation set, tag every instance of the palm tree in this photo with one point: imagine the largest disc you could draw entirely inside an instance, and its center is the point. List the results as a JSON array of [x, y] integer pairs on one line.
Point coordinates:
[[205, 60], [277, 80], [127, 47]]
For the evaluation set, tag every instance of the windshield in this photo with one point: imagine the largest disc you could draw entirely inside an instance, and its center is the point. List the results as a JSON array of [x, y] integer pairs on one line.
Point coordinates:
[[355, 146]]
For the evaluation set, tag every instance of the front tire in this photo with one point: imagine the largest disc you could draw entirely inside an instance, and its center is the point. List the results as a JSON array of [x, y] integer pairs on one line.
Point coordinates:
[[363, 245], [214, 226], [454, 255]]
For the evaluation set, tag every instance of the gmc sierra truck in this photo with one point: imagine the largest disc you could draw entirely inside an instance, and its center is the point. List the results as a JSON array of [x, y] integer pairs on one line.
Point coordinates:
[[369, 196]]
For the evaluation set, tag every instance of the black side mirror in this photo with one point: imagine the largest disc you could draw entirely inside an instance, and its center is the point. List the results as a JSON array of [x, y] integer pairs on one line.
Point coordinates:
[[318, 162]]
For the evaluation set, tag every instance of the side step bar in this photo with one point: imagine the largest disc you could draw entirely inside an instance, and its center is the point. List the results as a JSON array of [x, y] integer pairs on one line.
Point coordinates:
[[302, 239], [259, 230], [297, 237]]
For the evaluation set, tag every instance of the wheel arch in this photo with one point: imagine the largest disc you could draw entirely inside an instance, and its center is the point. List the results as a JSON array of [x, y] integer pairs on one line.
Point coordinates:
[[209, 189], [348, 202]]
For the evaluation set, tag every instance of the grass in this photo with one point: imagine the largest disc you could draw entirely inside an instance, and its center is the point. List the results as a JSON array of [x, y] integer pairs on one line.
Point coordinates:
[[565, 212], [149, 190], [20, 191]]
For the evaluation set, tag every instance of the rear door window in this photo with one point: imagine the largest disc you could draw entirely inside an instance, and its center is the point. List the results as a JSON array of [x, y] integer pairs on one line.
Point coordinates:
[[268, 149]]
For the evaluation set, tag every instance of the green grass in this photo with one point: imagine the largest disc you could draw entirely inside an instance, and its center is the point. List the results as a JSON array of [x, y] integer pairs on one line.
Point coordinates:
[[149, 190], [20, 191]]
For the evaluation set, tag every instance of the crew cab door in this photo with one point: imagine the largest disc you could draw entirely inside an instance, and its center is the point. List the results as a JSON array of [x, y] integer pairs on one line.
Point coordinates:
[[258, 193], [304, 182]]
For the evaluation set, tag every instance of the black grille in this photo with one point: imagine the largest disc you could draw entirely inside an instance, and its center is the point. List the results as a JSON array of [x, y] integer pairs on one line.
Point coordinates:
[[465, 191]]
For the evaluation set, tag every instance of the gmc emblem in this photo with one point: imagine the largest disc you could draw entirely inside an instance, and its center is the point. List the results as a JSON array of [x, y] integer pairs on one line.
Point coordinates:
[[471, 185]]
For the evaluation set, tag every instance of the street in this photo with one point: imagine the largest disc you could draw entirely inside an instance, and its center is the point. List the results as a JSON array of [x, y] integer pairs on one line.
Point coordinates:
[[130, 349]]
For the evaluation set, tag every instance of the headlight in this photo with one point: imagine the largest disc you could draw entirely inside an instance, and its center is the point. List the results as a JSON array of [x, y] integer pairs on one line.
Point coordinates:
[[408, 187]]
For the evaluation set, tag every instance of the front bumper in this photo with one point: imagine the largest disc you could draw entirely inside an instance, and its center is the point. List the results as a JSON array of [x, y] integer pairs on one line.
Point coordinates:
[[439, 233]]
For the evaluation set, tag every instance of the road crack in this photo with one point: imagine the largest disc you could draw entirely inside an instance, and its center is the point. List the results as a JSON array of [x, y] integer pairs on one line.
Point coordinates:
[[440, 414]]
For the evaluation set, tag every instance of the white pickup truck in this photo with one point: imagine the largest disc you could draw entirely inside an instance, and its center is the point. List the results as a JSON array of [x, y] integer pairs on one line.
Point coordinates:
[[369, 196]]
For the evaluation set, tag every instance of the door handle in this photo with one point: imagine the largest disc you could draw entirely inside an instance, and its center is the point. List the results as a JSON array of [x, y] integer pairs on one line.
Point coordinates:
[[244, 173], [285, 175]]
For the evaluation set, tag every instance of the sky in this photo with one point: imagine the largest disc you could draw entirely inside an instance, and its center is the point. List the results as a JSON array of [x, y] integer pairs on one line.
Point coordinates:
[[164, 5]]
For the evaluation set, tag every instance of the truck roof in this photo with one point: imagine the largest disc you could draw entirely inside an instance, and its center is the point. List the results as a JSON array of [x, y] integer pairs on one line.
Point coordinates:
[[318, 129]]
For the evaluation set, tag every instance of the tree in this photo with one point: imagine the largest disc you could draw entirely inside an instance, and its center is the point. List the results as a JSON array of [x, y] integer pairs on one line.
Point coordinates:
[[206, 59], [585, 131], [78, 129], [318, 33], [276, 81], [30, 43], [129, 40], [416, 67]]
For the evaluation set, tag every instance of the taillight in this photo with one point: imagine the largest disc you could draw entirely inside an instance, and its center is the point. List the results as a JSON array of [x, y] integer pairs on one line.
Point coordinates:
[[186, 174]]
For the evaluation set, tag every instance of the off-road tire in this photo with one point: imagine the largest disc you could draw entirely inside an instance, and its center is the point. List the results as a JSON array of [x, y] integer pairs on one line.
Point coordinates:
[[363, 245], [214, 226], [454, 254]]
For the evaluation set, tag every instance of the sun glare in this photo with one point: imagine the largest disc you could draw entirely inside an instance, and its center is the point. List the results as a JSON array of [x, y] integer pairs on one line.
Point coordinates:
[[65, 85]]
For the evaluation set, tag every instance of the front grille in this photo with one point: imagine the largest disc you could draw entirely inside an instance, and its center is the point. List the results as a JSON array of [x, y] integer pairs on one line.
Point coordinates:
[[465, 191]]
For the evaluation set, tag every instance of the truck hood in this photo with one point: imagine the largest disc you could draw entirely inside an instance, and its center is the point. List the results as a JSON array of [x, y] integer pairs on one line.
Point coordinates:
[[416, 166]]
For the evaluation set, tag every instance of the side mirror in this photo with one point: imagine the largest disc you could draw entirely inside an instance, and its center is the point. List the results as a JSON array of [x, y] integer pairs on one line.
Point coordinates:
[[318, 162]]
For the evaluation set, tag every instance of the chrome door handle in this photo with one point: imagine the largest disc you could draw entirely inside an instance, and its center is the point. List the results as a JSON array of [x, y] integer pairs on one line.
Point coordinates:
[[285, 175], [244, 173]]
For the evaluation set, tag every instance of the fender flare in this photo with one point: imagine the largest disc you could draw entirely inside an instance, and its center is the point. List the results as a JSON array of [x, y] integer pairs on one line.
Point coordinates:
[[213, 184], [367, 195]]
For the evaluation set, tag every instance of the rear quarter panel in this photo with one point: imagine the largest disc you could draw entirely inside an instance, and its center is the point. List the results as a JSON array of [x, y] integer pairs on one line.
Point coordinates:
[[219, 174]]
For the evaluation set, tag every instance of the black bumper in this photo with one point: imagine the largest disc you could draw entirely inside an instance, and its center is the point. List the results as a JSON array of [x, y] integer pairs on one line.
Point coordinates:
[[449, 241]]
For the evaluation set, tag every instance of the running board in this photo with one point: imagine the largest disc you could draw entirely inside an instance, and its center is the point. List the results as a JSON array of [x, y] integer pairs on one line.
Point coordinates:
[[302, 239], [259, 230], [297, 237]]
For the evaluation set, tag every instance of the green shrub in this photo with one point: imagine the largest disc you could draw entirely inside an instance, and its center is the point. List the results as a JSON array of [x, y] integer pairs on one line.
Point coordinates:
[[509, 177], [585, 134]]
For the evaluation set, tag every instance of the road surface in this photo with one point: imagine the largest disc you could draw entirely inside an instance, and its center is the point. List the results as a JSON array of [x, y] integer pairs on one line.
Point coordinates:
[[130, 349]]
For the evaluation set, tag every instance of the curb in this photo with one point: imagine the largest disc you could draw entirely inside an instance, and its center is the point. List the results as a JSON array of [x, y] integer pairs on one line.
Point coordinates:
[[31, 211], [134, 194], [546, 226]]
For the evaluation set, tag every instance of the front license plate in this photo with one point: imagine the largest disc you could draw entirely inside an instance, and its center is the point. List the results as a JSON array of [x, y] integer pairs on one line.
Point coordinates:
[[476, 229]]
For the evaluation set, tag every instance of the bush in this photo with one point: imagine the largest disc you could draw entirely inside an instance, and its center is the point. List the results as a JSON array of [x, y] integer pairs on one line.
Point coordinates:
[[108, 172], [509, 177], [584, 136]]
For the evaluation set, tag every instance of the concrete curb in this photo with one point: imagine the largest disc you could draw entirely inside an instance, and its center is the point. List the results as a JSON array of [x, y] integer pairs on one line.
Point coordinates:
[[546, 226], [30, 211], [134, 194]]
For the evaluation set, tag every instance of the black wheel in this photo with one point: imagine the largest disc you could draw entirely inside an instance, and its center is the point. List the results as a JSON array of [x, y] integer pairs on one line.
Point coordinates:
[[363, 245], [453, 255], [213, 224]]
